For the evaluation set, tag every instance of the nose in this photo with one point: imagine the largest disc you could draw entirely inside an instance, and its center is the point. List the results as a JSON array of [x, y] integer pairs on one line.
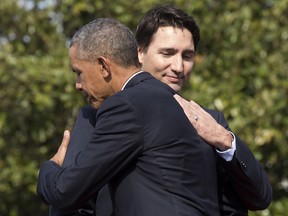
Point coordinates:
[[78, 84], [177, 65]]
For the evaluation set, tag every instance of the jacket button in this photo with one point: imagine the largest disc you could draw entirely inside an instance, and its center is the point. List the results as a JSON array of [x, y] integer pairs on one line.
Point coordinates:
[[243, 164]]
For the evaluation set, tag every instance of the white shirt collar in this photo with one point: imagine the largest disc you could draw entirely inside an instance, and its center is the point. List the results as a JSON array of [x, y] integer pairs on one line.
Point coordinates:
[[130, 79]]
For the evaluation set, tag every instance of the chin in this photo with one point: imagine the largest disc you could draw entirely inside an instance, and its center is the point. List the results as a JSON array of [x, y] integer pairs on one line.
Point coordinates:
[[95, 104], [176, 87]]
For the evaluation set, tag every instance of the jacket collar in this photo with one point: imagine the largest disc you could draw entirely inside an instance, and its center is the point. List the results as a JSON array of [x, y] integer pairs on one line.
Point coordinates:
[[138, 78]]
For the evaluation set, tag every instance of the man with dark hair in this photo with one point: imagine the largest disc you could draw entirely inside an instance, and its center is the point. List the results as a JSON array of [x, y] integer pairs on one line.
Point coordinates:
[[167, 40]]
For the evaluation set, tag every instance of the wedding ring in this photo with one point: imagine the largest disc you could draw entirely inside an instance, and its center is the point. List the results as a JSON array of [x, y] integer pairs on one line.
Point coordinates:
[[196, 117]]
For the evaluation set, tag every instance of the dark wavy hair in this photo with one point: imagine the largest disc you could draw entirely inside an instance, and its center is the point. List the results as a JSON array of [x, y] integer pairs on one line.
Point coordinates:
[[161, 16]]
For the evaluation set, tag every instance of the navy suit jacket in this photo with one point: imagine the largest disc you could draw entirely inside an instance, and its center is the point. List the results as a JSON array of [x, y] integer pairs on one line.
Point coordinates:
[[145, 147], [241, 178]]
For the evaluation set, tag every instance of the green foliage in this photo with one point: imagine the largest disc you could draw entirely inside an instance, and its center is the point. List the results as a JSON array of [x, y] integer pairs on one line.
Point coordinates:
[[37, 105], [241, 69]]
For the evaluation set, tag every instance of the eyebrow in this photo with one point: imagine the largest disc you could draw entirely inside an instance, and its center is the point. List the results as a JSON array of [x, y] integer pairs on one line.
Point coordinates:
[[74, 69], [173, 50], [167, 49]]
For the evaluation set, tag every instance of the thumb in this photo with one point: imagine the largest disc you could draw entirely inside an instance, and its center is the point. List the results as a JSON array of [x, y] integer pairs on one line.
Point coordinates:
[[64, 144], [66, 139], [60, 155]]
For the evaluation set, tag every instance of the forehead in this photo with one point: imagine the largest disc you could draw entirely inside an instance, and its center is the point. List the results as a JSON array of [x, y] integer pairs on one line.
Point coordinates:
[[72, 53], [75, 63], [172, 37]]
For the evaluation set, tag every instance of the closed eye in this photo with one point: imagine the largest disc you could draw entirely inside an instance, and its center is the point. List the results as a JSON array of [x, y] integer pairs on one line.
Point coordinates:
[[167, 52], [76, 71], [189, 56]]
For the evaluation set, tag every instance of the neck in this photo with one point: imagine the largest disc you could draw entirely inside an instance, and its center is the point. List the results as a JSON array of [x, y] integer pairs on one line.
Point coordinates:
[[122, 76]]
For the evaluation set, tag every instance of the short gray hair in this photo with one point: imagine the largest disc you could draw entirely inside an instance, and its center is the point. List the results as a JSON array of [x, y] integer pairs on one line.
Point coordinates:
[[106, 37]]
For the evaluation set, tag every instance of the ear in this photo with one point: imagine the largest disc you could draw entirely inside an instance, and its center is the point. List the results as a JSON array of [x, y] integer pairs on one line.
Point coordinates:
[[104, 66], [140, 54]]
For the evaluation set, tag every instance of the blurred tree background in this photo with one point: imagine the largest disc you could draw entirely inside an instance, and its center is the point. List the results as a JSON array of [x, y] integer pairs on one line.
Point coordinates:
[[241, 69]]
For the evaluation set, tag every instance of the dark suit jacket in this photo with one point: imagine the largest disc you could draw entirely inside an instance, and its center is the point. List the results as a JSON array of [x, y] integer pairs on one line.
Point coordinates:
[[241, 178], [144, 145], [238, 179], [243, 183]]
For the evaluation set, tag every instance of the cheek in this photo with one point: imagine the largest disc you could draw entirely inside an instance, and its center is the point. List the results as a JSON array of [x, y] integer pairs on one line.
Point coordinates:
[[188, 69], [159, 65], [89, 84], [151, 61], [156, 68]]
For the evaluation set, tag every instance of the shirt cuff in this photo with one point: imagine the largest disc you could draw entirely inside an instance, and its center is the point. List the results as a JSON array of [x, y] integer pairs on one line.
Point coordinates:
[[229, 153]]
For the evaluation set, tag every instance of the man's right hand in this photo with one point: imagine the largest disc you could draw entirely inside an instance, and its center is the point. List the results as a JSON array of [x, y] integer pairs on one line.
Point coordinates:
[[60, 155], [206, 126]]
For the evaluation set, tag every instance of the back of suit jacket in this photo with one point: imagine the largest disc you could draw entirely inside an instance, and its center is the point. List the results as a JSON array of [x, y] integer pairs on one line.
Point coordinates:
[[144, 143]]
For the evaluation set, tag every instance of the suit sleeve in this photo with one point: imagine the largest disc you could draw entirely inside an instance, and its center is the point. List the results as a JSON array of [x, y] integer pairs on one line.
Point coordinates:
[[82, 130], [83, 127], [115, 142], [248, 178]]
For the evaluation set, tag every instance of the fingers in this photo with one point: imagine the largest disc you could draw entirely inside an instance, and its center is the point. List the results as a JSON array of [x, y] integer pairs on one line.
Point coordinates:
[[189, 106], [206, 126], [183, 103], [197, 109], [194, 104], [181, 100], [188, 109]]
